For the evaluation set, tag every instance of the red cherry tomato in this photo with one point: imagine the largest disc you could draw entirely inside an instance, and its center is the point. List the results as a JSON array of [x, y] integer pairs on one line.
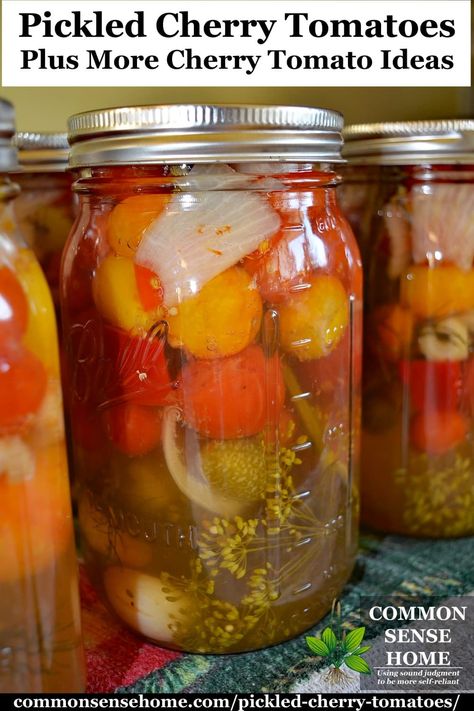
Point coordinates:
[[135, 430], [23, 381], [13, 307], [232, 397], [432, 385], [135, 368], [438, 432], [149, 288]]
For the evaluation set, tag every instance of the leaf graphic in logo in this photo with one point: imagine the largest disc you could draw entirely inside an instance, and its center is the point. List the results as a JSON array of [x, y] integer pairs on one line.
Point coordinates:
[[361, 650], [353, 639], [317, 646], [357, 664], [329, 639]]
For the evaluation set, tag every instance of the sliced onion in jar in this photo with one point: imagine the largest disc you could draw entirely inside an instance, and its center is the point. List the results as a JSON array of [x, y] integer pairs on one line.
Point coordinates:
[[200, 235], [188, 475], [442, 219]]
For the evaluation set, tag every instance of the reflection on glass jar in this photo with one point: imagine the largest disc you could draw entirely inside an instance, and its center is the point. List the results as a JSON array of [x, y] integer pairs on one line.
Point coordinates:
[[417, 442], [40, 643], [45, 209], [211, 307]]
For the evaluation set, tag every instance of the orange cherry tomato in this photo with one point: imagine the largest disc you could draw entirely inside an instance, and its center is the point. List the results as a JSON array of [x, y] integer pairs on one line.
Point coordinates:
[[149, 288], [13, 307], [36, 520], [313, 236], [390, 331], [129, 220], [438, 432], [232, 397], [23, 382], [134, 429]]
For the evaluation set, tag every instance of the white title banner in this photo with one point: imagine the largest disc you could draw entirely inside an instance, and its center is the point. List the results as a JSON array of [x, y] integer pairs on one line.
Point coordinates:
[[236, 43]]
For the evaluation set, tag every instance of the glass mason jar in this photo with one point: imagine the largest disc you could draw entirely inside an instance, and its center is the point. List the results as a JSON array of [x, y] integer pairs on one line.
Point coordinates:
[[211, 310], [418, 385], [45, 208], [40, 641]]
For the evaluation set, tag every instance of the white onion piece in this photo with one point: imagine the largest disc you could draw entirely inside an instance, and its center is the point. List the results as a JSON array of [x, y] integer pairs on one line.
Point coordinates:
[[443, 224], [268, 168], [200, 235], [193, 484], [140, 601]]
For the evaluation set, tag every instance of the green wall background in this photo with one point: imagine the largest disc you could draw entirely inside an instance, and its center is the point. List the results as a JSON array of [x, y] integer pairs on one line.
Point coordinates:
[[47, 109]]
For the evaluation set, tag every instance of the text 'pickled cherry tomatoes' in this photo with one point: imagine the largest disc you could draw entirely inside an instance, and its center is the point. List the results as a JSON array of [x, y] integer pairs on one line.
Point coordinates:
[[232, 397], [13, 307], [23, 381], [134, 429]]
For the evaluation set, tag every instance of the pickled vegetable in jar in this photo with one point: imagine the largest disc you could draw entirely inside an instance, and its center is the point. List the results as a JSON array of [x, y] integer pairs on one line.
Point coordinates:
[[40, 640], [211, 310], [45, 208], [418, 405]]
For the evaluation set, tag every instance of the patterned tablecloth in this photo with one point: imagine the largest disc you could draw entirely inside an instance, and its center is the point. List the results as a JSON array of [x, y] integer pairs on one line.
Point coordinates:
[[118, 660]]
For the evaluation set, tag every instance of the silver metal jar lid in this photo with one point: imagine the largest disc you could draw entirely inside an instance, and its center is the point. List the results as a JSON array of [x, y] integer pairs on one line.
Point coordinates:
[[42, 152], [192, 133], [8, 153], [410, 142]]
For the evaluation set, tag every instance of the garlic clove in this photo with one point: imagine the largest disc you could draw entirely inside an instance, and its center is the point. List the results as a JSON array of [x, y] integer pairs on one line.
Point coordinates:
[[144, 603], [445, 340]]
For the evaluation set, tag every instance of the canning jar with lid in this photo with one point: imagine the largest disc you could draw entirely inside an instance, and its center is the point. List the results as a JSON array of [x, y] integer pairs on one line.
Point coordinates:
[[40, 642], [211, 310], [45, 208], [418, 389]]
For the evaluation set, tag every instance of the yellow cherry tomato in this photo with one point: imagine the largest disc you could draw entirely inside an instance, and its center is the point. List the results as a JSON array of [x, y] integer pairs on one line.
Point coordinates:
[[129, 220], [313, 319], [434, 292], [221, 320], [116, 295], [40, 336]]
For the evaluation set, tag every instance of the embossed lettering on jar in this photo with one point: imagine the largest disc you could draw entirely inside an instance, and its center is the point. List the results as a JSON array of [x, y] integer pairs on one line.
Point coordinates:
[[211, 304]]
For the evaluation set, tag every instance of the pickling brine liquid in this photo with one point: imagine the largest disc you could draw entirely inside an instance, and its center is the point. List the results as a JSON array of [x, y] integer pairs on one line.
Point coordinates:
[[212, 319], [40, 640]]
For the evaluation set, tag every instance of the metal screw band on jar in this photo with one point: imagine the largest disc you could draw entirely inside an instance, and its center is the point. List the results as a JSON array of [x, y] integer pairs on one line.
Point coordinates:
[[410, 142], [8, 153], [42, 152], [204, 133]]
